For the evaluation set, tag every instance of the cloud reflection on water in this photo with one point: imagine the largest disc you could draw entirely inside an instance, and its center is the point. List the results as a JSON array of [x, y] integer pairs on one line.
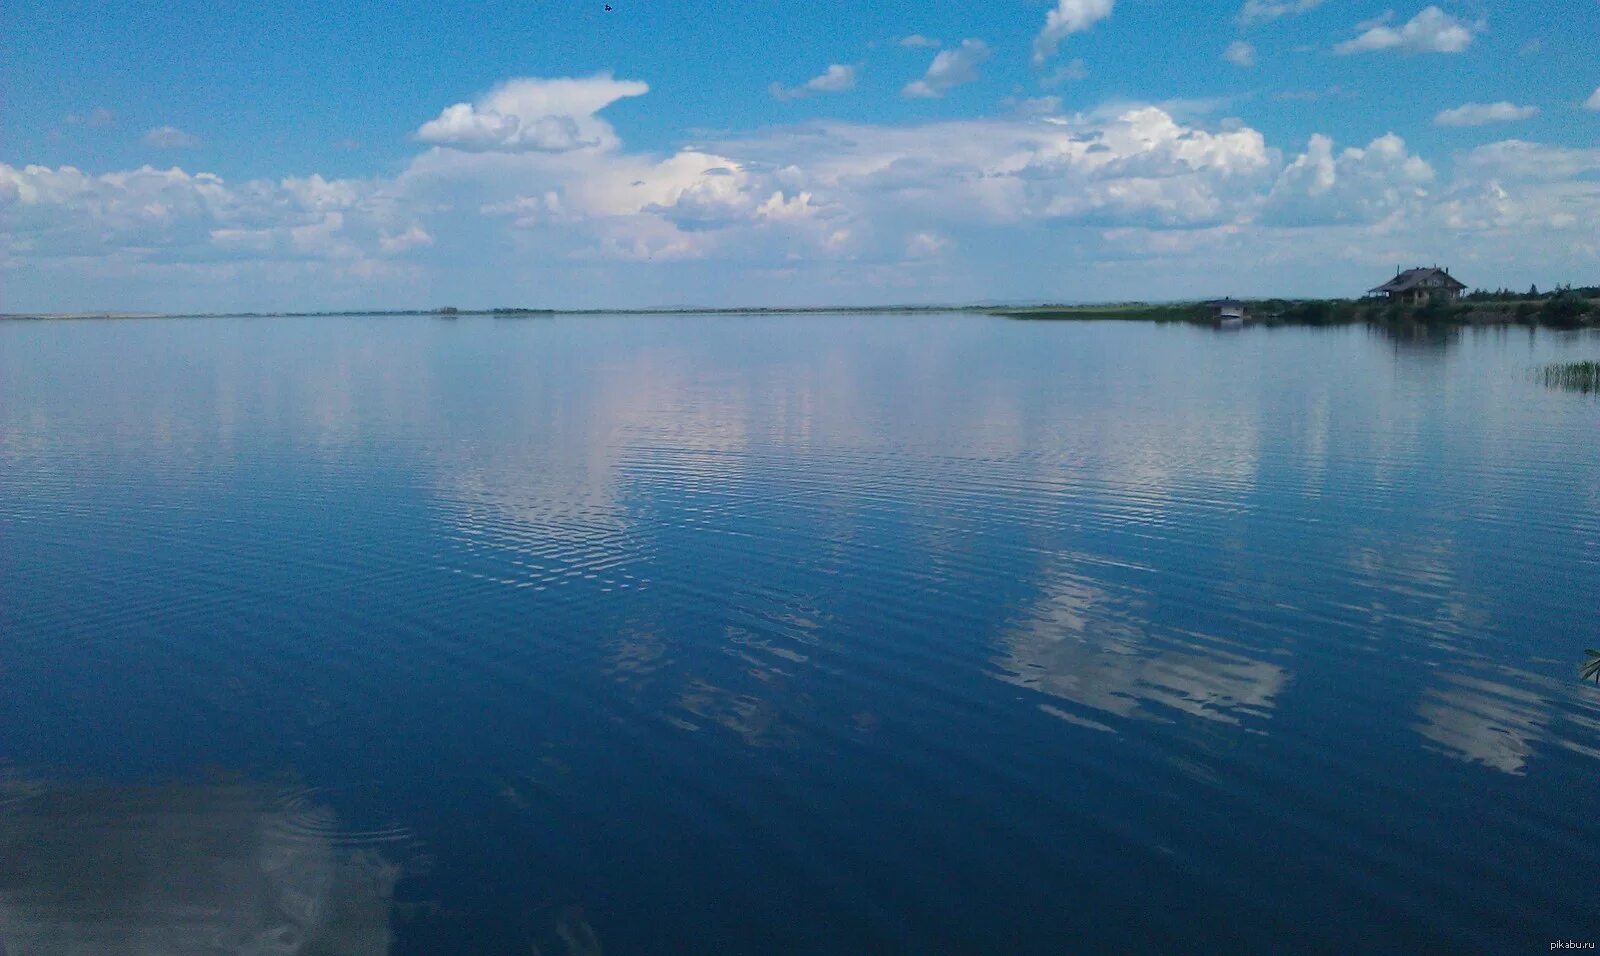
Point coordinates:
[[175, 869], [1081, 644]]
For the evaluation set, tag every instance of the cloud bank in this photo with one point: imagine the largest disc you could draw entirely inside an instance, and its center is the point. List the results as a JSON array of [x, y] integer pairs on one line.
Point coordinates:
[[1129, 201]]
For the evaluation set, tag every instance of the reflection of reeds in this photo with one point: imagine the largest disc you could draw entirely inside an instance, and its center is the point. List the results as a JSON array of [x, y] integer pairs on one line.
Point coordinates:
[[1591, 668], [1573, 376]]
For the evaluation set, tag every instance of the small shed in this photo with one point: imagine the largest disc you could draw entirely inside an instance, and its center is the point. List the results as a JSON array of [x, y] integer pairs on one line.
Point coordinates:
[[1420, 285], [1227, 310]]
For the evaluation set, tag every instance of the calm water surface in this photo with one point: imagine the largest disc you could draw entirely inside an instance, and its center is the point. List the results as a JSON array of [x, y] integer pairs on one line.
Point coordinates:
[[795, 635]]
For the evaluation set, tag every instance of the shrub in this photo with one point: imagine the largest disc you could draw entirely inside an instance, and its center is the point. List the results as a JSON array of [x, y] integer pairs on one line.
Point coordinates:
[[1565, 311]]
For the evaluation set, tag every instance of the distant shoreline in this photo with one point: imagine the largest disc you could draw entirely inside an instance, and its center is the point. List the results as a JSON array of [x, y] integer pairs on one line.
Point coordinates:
[[1559, 310]]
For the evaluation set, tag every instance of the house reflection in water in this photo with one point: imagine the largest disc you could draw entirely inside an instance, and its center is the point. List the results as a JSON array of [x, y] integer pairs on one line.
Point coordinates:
[[1078, 645], [181, 869]]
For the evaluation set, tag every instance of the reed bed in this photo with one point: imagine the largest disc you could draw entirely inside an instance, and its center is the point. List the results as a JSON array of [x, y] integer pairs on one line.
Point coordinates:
[[1573, 376]]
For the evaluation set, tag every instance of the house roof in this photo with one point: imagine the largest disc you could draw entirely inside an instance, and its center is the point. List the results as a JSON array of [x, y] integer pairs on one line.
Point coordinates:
[[1226, 304], [1411, 278]]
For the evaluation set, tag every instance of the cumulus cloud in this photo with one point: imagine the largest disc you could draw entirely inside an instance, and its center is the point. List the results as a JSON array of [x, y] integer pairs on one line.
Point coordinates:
[[1138, 167], [412, 238], [1358, 185], [1593, 102], [169, 137], [917, 40], [530, 114], [170, 216], [1482, 114], [925, 245], [1240, 54], [1068, 17], [820, 202], [838, 78], [950, 68], [1431, 31], [1265, 11]]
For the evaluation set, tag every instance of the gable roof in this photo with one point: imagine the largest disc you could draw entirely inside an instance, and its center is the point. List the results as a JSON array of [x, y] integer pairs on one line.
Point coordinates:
[[1412, 278]]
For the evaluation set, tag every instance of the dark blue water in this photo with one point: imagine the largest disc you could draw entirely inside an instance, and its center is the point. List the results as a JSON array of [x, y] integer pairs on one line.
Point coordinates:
[[924, 634]]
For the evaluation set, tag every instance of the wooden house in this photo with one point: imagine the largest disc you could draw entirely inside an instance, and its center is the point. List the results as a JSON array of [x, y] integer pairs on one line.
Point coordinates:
[[1420, 285]]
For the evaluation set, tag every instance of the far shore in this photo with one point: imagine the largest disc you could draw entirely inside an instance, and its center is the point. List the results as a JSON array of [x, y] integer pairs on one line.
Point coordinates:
[[1562, 308]]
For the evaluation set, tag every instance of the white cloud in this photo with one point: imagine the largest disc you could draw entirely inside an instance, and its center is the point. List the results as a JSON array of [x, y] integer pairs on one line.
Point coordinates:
[[165, 217], [837, 78], [950, 68], [412, 238], [1515, 159], [1138, 167], [1593, 102], [529, 114], [917, 40], [1068, 17], [1532, 47], [99, 116], [1240, 54], [1482, 114], [1036, 105], [1066, 73], [1264, 11], [1431, 31], [169, 137], [1116, 194], [925, 245], [1359, 185]]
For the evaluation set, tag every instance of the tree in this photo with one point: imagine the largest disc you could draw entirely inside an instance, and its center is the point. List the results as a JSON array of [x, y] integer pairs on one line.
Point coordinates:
[[1591, 668], [1564, 310], [1533, 291]]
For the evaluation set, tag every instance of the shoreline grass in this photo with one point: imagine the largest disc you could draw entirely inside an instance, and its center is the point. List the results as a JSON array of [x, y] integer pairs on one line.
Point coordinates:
[[1564, 310], [1572, 376]]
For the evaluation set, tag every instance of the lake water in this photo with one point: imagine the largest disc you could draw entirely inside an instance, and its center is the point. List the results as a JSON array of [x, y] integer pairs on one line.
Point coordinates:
[[922, 634]]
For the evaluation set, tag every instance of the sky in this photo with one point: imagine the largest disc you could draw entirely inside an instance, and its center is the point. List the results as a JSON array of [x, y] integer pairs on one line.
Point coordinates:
[[197, 156]]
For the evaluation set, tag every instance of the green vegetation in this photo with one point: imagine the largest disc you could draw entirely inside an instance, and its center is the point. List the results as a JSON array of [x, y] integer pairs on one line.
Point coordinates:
[[1591, 667], [1533, 294], [1564, 307], [1573, 376]]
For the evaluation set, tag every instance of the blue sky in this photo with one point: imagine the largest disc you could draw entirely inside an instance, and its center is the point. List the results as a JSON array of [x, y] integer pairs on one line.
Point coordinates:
[[217, 156]]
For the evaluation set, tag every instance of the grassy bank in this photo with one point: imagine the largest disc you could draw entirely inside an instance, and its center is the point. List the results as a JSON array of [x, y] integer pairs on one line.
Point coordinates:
[[1563, 309], [1125, 312], [1567, 309]]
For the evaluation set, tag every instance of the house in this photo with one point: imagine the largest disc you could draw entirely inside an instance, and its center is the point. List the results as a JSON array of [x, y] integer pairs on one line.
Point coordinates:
[[1227, 311], [1420, 285]]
